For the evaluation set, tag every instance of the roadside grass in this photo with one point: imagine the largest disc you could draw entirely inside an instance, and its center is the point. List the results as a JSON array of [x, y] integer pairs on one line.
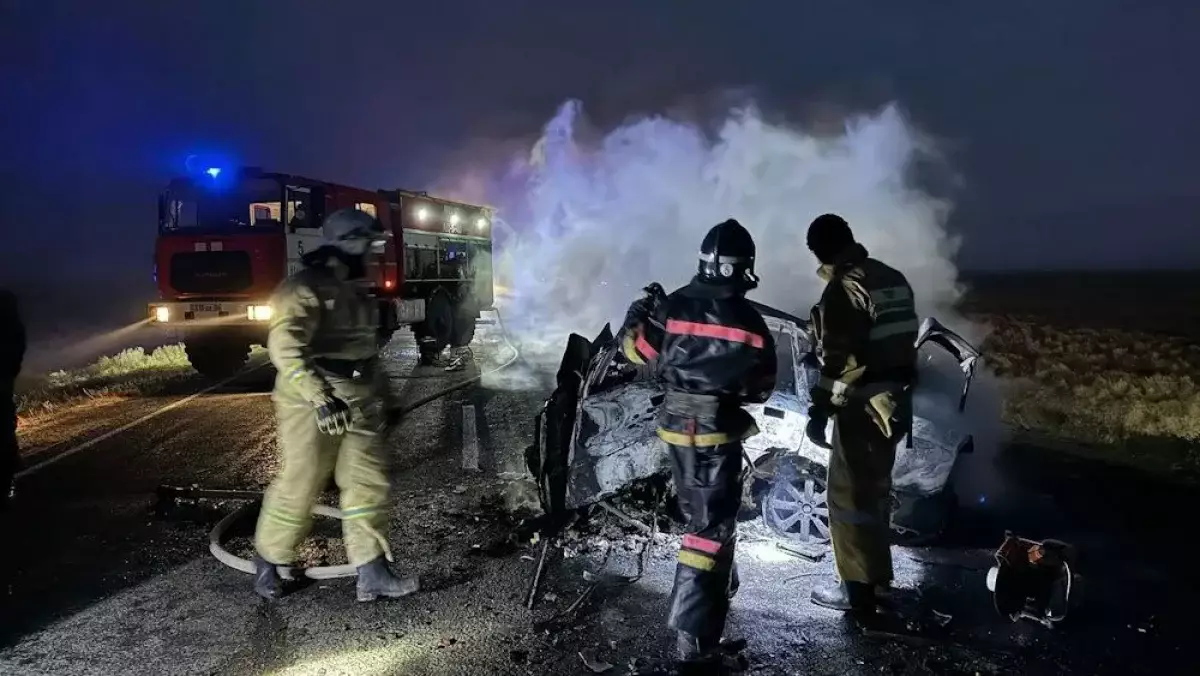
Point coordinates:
[[129, 372], [1127, 396]]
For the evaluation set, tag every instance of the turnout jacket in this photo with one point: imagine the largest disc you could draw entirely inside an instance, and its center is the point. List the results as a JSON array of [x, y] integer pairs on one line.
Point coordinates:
[[12, 337], [865, 327], [713, 352], [324, 331]]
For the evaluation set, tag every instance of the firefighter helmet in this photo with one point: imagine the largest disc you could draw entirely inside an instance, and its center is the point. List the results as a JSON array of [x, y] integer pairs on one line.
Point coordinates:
[[727, 255], [828, 236], [353, 232]]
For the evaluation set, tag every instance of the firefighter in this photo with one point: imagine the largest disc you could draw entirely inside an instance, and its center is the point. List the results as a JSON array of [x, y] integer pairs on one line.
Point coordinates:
[[12, 353], [714, 354], [865, 326], [331, 401]]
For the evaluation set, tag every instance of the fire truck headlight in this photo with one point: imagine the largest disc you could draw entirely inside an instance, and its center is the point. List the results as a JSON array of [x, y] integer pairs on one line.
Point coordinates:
[[453, 219], [162, 314], [259, 313], [481, 223], [422, 214]]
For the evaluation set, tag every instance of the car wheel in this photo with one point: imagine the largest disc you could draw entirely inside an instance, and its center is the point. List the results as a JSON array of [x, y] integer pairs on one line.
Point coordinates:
[[796, 510]]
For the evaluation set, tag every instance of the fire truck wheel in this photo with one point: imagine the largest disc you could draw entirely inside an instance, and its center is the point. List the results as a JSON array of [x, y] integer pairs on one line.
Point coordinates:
[[217, 360], [464, 326], [438, 327]]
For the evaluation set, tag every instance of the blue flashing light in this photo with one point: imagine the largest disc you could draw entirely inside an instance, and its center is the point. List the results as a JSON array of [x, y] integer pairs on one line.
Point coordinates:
[[213, 171]]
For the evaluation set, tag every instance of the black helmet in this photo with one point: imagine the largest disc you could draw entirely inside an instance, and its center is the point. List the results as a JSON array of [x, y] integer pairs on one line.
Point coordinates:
[[828, 236], [727, 256]]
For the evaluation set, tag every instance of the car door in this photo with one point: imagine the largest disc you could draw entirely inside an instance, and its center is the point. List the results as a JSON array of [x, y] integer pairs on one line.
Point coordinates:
[[933, 332]]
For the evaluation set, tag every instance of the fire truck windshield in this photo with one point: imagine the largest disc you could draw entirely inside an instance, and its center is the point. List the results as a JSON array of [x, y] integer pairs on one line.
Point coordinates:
[[242, 207]]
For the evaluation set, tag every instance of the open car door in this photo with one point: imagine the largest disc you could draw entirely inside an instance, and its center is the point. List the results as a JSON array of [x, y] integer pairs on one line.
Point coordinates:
[[932, 331]]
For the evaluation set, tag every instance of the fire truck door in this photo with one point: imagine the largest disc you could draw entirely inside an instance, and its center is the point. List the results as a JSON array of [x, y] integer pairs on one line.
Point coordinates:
[[302, 227]]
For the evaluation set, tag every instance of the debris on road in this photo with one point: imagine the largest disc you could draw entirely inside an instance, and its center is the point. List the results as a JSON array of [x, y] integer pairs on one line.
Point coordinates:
[[815, 556], [596, 666], [537, 576]]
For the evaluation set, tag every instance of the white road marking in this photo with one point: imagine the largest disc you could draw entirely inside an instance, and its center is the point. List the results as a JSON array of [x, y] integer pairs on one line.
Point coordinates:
[[470, 439], [128, 426]]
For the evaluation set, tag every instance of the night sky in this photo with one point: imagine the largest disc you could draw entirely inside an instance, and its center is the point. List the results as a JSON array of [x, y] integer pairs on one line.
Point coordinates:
[[1073, 123]]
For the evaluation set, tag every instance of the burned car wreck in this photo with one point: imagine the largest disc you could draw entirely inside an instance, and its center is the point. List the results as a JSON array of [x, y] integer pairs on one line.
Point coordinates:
[[595, 435]]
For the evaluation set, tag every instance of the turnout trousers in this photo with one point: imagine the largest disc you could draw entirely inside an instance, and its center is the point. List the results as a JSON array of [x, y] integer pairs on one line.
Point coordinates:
[[708, 480], [355, 459], [865, 435]]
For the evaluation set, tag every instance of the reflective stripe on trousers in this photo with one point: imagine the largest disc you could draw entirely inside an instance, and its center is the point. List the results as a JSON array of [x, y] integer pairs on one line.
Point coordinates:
[[707, 439]]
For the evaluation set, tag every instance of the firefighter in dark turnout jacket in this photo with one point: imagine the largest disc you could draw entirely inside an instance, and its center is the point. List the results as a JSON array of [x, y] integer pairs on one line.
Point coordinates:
[[866, 331], [713, 353]]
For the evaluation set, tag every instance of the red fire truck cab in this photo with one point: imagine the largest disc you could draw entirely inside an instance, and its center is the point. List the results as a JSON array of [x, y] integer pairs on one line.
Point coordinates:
[[227, 238]]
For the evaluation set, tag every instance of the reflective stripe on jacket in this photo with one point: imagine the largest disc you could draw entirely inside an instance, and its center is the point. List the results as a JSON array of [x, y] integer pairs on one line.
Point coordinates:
[[713, 343]]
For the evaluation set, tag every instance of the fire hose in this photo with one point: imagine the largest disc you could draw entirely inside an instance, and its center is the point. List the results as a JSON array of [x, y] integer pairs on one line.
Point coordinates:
[[219, 534]]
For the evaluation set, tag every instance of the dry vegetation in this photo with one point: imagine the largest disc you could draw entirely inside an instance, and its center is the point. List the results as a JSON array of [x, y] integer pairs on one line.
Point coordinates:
[[1133, 392], [130, 372]]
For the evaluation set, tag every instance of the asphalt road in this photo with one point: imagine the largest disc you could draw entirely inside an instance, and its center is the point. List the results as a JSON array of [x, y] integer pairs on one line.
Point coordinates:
[[97, 581]]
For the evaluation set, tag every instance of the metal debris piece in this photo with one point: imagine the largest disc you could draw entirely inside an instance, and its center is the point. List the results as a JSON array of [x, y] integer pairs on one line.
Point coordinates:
[[596, 666], [537, 576], [942, 619], [608, 507], [814, 556]]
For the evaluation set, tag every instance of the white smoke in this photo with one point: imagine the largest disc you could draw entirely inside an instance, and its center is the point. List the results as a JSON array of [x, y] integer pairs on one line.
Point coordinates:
[[596, 216], [602, 218]]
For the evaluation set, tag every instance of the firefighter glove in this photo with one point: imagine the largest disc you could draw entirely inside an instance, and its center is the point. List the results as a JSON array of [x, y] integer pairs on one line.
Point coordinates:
[[643, 309], [333, 416], [815, 430]]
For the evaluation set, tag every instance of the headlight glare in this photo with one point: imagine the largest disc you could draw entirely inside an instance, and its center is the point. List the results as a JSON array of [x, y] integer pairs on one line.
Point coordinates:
[[259, 313]]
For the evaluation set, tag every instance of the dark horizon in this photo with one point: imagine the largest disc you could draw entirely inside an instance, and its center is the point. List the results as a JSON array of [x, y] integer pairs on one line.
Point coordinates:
[[1070, 127]]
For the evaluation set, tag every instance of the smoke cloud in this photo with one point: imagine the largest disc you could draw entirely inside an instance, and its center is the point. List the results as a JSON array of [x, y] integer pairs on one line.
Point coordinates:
[[596, 216]]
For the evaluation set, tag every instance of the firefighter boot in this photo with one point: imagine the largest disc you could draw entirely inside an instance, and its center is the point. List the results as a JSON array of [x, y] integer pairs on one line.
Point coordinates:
[[267, 582], [694, 654], [375, 579], [846, 596]]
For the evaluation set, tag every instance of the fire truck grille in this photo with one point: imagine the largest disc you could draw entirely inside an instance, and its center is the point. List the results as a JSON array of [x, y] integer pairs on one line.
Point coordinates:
[[214, 272]]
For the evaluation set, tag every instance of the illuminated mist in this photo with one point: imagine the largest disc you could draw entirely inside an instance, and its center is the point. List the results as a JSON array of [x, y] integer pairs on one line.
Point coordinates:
[[597, 215], [602, 218]]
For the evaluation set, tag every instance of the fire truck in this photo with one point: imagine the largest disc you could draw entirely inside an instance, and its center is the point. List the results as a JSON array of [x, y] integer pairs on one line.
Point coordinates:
[[227, 238]]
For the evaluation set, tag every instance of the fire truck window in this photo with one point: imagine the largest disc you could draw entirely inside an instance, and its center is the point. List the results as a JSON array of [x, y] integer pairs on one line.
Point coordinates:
[[367, 207], [264, 213], [183, 214], [299, 210], [420, 263]]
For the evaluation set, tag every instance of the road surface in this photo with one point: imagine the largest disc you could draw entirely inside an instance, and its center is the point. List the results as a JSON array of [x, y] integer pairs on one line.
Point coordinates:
[[97, 581]]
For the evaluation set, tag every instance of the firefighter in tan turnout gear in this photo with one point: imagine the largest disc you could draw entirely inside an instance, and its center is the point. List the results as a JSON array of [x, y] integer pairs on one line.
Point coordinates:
[[331, 400], [713, 353], [866, 330]]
